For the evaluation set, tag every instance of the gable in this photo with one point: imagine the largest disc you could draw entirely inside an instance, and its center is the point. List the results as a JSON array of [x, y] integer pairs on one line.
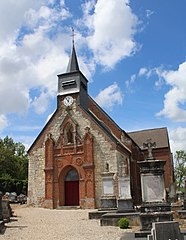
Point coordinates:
[[158, 135]]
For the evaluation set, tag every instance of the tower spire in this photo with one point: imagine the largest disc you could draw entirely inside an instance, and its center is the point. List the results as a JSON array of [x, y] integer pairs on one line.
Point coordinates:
[[73, 63]]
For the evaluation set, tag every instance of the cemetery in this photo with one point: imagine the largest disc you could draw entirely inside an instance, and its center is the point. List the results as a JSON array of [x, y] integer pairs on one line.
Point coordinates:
[[82, 160], [155, 216], [155, 219]]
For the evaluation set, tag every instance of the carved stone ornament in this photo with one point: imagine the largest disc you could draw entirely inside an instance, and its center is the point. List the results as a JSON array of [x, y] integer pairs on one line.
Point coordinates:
[[49, 178], [60, 164], [88, 174], [79, 161]]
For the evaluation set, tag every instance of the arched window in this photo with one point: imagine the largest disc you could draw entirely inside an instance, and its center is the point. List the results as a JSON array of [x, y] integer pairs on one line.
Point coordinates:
[[72, 175]]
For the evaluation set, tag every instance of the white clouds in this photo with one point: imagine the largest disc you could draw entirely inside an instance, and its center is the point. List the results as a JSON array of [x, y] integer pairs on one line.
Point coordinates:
[[142, 71], [128, 83], [110, 96], [45, 16], [30, 59], [3, 122], [40, 103], [112, 27], [175, 98], [178, 139], [12, 16], [33, 46], [149, 13]]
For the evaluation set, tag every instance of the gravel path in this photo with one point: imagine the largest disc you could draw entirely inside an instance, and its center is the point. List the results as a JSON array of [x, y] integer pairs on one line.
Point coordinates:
[[37, 224]]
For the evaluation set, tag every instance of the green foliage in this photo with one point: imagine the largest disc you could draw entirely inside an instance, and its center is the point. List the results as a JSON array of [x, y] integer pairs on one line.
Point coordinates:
[[123, 223], [13, 166], [180, 169]]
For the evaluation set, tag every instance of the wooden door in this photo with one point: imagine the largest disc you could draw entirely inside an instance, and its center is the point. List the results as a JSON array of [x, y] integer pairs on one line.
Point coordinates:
[[72, 193], [72, 188]]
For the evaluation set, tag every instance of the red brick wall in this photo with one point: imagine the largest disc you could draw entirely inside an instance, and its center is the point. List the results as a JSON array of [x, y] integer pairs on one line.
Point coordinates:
[[58, 164]]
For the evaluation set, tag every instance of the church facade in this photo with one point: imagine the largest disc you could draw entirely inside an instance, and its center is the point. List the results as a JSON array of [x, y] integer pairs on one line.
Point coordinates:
[[82, 157]]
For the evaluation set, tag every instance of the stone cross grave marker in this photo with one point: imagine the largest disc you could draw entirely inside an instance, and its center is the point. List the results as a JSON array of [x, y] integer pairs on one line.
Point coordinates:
[[150, 145]]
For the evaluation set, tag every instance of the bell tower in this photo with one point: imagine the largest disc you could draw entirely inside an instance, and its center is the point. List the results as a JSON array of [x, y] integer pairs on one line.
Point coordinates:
[[73, 83]]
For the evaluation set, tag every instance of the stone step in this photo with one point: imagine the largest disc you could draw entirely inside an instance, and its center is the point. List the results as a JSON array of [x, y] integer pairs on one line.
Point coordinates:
[[68, 207]]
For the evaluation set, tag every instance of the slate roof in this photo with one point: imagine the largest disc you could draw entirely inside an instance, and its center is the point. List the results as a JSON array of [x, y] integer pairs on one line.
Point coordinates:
[[73, 62], [158, 135]]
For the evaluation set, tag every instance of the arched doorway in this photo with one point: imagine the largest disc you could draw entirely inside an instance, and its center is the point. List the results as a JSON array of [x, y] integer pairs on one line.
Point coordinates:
[[72, 188]]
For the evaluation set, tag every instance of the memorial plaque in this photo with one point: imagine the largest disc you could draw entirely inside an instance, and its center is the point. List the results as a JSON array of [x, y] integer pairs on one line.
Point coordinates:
[[153, 188], [124, 188], [107, 186]]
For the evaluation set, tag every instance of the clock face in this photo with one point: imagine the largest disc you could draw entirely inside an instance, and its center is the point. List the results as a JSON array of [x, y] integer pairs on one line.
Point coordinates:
[[68, 100]]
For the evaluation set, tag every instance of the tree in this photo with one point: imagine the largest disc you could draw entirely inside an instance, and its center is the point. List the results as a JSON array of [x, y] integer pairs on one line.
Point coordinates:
[[180, 169], [13, 166]]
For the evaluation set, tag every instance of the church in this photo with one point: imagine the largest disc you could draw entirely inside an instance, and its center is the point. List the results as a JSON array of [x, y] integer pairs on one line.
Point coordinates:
[[83, 158]]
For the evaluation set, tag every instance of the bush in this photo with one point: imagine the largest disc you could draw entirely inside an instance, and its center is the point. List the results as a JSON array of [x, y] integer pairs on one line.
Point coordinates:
[[123, 223]]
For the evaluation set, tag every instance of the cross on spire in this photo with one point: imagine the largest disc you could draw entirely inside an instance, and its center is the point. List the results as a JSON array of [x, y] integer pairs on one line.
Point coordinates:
[[73, 63], [73, 34]]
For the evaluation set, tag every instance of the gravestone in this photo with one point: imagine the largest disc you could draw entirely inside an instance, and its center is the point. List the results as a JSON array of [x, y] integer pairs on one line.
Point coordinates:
[[108, 199], [154, 206], [182, 213], [1, 214], [125, 203], [172, 193], [6, 210], [184, 201], [150, 237], [124, 206], [165, 231]]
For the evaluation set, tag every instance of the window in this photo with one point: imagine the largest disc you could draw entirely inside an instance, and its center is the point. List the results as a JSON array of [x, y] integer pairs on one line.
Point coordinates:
[[72, 175]]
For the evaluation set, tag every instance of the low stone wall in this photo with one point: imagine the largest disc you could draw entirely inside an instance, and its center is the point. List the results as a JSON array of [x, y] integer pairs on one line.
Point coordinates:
[[111, 219]]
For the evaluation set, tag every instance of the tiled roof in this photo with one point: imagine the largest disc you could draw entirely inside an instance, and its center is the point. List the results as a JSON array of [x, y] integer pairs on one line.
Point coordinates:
[[158, 135]]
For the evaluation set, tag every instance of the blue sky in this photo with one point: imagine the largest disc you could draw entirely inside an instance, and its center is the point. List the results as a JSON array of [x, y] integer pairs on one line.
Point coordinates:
[[132, 52]]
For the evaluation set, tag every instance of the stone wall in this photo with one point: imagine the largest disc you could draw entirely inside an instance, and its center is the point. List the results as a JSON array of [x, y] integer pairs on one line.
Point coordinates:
[[104, 151], [36, 178]]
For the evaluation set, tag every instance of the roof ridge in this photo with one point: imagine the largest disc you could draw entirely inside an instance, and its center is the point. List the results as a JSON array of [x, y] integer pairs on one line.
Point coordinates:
[[149, 129]]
